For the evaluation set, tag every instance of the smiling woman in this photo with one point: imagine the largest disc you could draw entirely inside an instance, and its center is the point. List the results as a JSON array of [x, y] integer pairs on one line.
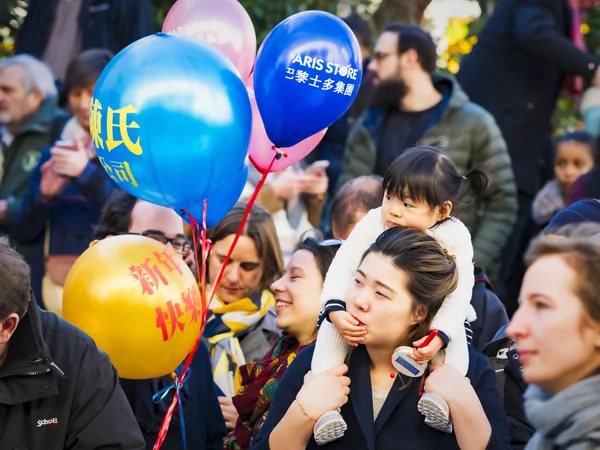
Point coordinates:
[[241, 321], [297, 295]]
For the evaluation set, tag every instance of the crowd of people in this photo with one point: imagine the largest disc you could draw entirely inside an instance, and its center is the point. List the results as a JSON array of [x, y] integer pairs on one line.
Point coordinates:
[[425, 278]]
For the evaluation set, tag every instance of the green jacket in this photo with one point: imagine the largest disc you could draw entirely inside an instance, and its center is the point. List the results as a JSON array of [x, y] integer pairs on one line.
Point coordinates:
[[21, 158], [473, 138]]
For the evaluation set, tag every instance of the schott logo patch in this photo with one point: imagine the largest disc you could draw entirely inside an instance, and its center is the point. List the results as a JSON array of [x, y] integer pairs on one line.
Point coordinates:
[[52, 422]]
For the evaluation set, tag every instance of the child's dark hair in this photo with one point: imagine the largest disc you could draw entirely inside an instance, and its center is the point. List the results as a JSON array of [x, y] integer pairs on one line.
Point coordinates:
[[427, 174], [583, 137]]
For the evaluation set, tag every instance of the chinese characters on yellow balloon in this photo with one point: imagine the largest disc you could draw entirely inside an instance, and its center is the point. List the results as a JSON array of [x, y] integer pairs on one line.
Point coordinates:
[[117, 125], [150, 276]]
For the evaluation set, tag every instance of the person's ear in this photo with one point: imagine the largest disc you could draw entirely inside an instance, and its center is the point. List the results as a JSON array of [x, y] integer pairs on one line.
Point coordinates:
[[8, 327], [445, 210], [35, 100], [410, 58], [420, 315]]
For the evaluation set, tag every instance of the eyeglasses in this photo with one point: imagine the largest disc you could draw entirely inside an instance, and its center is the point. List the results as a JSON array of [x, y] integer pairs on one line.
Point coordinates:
[[378, 56], [180, 244]]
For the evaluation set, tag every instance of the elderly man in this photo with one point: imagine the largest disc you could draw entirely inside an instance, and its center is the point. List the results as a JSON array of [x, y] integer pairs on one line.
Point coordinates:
[[57, 390], [28, 116]]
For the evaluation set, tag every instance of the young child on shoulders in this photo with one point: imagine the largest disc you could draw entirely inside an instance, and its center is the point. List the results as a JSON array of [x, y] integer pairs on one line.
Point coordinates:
[[421, 189]]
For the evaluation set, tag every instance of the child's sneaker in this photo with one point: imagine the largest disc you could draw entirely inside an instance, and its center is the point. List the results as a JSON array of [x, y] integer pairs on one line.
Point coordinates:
[[330, 427], [436, 412]]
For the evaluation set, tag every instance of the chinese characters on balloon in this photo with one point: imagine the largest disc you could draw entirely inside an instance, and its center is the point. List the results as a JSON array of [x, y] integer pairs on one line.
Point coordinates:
[[118, 123]]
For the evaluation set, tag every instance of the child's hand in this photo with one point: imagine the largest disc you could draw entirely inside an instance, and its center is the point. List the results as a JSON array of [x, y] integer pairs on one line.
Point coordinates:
[[426, 354], [348, 327]]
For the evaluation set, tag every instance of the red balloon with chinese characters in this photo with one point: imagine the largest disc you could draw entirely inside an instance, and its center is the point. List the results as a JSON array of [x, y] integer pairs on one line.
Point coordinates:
[[138, 300]]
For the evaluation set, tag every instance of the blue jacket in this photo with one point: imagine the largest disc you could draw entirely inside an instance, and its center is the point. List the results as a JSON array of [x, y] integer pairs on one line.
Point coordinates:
[[71, 215], [399, 424]]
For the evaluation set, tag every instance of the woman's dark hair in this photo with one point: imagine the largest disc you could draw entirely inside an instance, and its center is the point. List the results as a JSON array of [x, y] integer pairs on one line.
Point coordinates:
[[323, 254], [431, 272], [427, 174], [85, 70], [116, 214], [261, 229]]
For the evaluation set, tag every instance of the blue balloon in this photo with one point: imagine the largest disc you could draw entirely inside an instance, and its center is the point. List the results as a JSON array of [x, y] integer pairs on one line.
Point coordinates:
[[220, 201], [306, 76], [170, 120]]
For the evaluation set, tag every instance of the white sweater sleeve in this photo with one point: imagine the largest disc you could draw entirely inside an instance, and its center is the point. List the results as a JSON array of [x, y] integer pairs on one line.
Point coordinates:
[[454, 236], [340, 273]]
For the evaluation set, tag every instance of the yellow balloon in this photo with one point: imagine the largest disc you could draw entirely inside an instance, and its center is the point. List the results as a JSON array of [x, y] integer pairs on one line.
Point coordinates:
[[138, 300]]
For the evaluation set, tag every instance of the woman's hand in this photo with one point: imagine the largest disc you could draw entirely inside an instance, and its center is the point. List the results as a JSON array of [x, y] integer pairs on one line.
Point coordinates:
[[315, 183], [51, 184], [324, 392], [230, 414], [285, 185], [472, 428], [445, 381], [70, 163]]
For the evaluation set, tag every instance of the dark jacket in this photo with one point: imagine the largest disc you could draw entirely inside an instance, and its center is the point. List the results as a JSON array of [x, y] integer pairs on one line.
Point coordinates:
[[516, 71], [109, 24], [505, 360], [57, 390], [399, 424], [204, 423], [491, 313], [473, 138]]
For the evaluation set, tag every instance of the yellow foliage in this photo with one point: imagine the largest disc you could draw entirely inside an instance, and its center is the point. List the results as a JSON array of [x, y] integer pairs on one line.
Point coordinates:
[[453, 66]]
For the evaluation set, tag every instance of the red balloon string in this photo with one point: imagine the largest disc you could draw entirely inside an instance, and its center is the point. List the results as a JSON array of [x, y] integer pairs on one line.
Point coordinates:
[[201, 271], [259, 185], [162, 434]]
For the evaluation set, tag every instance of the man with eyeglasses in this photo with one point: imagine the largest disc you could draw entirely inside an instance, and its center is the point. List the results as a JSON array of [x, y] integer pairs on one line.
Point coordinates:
[[125, 214], [412, 105]]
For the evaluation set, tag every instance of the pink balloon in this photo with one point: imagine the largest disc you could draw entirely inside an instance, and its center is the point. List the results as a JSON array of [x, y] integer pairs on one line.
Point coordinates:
[[261, 150], [224, 24]]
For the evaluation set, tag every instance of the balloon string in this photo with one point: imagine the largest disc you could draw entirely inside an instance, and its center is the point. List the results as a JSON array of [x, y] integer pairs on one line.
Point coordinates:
[[164, 428], [206, 244], [249, 206], [205, 303]]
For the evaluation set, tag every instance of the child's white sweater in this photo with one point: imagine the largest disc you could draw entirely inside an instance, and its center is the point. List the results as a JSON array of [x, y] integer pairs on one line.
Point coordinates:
[[452, 235]]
